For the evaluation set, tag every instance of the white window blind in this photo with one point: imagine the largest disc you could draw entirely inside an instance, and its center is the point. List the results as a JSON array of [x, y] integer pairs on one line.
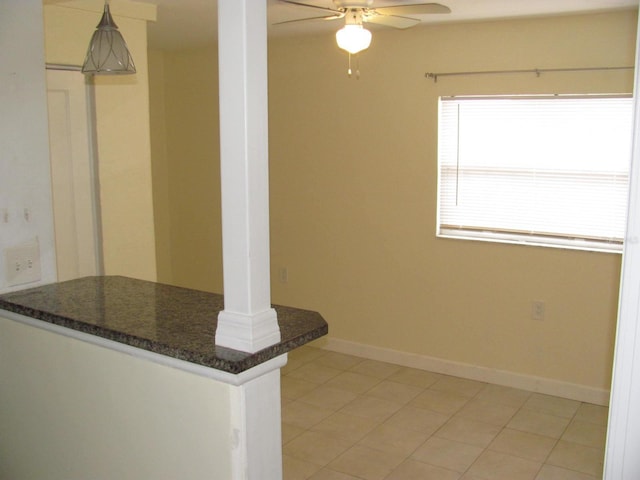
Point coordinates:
[[550, 170]]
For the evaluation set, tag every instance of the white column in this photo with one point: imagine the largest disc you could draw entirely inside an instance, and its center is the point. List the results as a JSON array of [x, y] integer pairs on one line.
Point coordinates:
[[248, 322], [256, 437]]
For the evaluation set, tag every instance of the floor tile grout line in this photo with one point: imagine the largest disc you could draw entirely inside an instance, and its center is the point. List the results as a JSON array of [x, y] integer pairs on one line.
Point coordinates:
[[476, 396], [560, 437]]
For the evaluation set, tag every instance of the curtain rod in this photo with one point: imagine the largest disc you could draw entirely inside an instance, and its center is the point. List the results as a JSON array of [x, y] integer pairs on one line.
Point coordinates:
[[536, 71], [61, 66]]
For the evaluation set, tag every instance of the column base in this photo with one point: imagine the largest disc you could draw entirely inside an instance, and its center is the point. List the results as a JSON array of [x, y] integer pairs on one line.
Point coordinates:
[[247, 333]]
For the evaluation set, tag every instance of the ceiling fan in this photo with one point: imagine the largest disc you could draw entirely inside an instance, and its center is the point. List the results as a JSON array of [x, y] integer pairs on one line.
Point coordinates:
[[353, 37]]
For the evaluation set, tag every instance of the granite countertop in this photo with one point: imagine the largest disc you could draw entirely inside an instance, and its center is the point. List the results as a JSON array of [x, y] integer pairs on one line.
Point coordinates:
[[173, 321]]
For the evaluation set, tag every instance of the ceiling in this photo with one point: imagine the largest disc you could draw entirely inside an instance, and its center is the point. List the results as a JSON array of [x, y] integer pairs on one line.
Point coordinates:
[[191, 23]]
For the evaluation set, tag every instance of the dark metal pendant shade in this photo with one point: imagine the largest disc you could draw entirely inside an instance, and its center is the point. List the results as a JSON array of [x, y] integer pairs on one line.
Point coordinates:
[[108, 53]]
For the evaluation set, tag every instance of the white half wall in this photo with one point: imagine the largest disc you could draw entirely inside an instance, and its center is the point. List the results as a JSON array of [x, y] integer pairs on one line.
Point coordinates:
[[72, 410]]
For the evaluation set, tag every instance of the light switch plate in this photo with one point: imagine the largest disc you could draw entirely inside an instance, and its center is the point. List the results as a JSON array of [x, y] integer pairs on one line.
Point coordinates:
[[22, 264]]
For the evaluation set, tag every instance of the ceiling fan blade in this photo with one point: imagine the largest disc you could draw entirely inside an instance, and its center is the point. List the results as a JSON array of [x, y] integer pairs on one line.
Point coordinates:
[[417, 9], [391, 20], [308, 19], [300, 4]]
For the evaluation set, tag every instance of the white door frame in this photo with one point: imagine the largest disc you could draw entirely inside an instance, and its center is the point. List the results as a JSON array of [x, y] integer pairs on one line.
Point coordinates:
[[74, 174], [622, 459]]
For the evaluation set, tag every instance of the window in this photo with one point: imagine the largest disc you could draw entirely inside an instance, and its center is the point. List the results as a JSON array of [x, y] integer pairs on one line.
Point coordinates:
[[542, 170]]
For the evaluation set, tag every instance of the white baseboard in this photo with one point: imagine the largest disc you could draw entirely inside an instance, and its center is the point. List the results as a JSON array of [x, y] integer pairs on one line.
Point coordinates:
[[532, 383]]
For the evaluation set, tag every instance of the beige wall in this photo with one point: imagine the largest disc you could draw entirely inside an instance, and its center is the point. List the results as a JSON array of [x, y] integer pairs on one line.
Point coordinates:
[[353, 194], [160, 165], [192, 181], [76, 411], [122, 112]]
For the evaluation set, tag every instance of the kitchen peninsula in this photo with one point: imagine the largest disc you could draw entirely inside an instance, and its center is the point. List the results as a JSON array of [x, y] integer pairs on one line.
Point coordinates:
[[121, 378], [163, 319]]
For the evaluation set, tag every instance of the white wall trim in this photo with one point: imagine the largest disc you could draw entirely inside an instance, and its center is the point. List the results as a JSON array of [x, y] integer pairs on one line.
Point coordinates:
[[623, 436], [522, 381], [201, 370]]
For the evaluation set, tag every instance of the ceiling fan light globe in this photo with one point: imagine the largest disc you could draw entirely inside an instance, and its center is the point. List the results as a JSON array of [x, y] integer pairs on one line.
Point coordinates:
[[353, 38]]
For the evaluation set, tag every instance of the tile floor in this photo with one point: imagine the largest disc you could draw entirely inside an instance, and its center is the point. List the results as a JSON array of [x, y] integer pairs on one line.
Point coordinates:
[[348, 418]]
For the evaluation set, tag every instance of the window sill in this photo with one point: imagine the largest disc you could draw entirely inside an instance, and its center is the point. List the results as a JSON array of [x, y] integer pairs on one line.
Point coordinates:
[[530, 240]]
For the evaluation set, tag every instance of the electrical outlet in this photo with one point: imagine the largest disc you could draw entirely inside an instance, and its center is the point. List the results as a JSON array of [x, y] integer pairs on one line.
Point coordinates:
[[22, 264], [283, 275], [537, 310]]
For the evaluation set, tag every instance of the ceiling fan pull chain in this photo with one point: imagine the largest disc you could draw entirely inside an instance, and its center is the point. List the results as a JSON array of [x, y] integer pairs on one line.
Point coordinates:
[[350, 71]]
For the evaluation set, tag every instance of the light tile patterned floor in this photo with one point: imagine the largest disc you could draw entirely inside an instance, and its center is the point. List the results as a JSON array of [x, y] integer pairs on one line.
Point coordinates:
[[348, 418]]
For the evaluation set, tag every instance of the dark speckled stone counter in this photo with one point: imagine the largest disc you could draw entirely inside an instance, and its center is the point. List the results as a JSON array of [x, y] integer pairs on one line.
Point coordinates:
[[177, 322]]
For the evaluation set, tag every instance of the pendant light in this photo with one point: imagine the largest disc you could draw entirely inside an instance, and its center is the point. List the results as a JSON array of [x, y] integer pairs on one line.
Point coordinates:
[[108, 53]]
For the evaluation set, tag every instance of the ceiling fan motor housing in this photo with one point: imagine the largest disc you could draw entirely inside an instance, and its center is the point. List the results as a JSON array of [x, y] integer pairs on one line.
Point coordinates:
[[353, 16], [347, 4]]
